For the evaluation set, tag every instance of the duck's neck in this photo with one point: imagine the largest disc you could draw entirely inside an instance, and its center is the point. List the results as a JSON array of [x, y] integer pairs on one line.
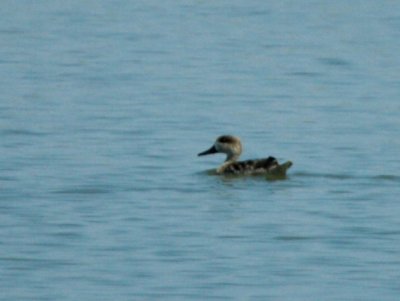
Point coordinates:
[[231, 157]]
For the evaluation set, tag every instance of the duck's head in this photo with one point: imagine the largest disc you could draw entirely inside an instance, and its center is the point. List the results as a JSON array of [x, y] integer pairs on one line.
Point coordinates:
[[229, 145]]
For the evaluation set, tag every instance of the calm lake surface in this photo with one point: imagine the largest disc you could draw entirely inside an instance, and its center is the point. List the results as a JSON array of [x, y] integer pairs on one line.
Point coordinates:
[[105, 104]]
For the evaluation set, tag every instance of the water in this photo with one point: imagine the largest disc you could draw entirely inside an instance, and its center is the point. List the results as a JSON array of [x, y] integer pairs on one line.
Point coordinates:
[[105, 104]]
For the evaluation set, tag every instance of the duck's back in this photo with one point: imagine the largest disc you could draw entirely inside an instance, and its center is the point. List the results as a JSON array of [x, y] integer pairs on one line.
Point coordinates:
[[258, 166]]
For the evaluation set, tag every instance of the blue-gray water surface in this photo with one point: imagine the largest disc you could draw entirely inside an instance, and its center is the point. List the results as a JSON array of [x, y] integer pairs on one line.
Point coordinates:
[[105, 104]]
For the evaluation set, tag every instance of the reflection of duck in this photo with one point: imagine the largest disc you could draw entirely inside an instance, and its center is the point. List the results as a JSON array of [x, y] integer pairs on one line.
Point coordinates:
[[232, 147]]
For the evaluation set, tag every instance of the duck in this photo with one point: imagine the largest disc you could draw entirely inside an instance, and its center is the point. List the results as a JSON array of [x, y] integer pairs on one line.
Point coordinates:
[[232, 147]]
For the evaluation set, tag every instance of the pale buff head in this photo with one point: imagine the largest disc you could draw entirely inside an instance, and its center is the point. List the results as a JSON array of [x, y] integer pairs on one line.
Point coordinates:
[[227, 144]]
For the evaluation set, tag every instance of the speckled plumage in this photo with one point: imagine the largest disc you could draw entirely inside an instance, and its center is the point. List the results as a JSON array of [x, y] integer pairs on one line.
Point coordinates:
[[258, 166], [232, 147]]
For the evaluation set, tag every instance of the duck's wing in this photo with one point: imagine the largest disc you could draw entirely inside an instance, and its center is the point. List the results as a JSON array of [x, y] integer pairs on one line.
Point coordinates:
[[260, 166], [266, 164]]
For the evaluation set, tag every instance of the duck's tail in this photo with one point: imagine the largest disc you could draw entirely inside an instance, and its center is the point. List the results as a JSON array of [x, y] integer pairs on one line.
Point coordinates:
[[279, 172]]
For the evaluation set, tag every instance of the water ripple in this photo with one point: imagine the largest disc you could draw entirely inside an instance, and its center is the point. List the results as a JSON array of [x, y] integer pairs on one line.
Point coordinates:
[[86, 189], [338, 176], [22, 132]]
